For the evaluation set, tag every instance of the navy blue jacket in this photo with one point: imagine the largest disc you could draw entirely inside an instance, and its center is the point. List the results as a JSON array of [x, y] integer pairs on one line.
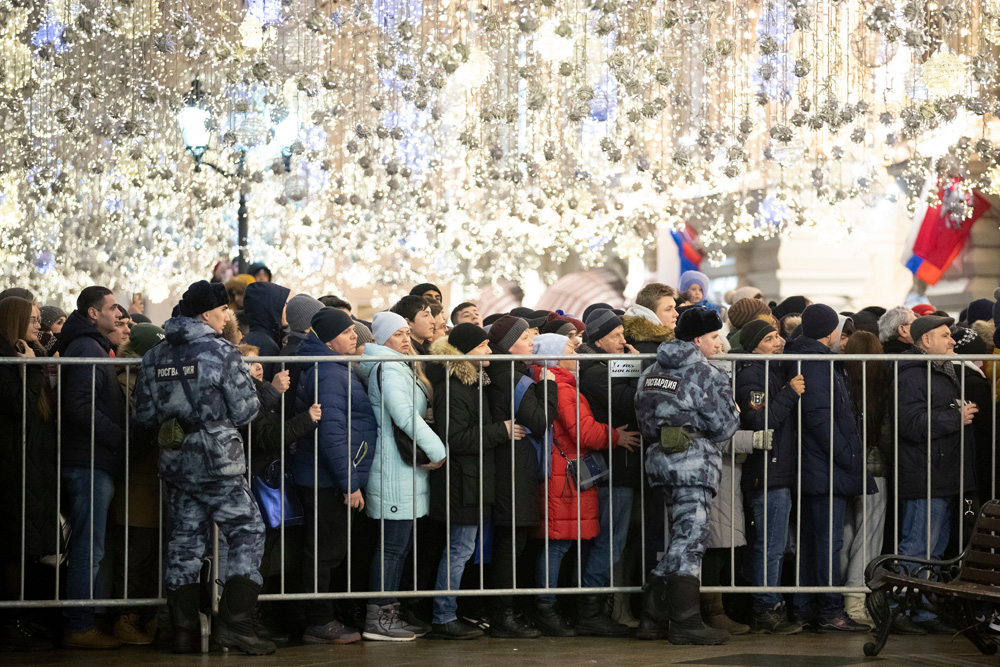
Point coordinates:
[[848, 456], [342, 454], [626, 466], [779, 406], [263, 304], [80, 338], [945, 433]]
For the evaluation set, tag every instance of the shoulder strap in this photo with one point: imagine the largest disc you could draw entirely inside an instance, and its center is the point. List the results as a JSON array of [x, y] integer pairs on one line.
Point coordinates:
[[519, 391], [185, 385]]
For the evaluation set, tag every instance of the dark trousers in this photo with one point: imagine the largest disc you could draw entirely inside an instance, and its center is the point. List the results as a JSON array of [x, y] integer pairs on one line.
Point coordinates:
[[505, 548], [325, 548], [816, 554]]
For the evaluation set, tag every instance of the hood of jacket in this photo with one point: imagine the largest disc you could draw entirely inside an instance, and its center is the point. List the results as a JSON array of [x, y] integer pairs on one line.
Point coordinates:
[[735, 342], [263, 304], [678, 353], [78, 326], [312, 346], [640, 328], [461, 369], [183, 330]]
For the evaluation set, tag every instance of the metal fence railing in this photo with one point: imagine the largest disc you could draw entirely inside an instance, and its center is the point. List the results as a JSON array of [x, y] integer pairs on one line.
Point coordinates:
[[646, 515]]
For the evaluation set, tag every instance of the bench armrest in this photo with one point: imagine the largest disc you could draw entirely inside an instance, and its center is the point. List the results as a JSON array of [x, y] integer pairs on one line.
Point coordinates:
[[911, 566]]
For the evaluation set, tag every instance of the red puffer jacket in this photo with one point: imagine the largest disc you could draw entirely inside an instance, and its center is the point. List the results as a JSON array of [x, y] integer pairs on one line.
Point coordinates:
[[562, 516]]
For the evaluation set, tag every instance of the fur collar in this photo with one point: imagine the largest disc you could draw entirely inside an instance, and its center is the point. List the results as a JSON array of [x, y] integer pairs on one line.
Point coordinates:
[[464, 371], [641, 329]]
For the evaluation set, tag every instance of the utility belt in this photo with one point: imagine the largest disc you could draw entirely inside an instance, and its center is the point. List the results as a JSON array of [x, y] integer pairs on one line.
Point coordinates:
[[677, 439]]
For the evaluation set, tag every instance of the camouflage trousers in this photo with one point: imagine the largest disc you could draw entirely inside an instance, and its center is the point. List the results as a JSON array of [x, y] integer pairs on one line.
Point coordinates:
[[193, 509], [689, 507]]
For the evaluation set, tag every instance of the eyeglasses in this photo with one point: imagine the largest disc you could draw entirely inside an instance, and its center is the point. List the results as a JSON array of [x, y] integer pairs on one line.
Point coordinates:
[[35, 320]]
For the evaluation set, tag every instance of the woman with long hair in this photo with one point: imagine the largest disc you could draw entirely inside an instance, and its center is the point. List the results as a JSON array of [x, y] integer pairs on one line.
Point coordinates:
[[865, 519], [28, 452]]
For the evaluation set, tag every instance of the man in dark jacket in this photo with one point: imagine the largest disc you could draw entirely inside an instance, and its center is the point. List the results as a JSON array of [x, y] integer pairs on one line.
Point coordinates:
[[602, 382], [519, 468], [199, 380], [894, 330], [820, 413], [466, 484], [331, 465], [264, 306], [93, 420], [935, 423], [767, 407]]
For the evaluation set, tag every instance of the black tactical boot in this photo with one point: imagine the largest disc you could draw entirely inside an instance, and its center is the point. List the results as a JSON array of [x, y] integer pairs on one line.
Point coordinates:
[[655, 616], [686, 626], [236, 618], [592, 618], [184, 620]]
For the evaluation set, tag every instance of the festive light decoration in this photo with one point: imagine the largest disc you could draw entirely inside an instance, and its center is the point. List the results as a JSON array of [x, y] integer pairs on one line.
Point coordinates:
[[474, 140]]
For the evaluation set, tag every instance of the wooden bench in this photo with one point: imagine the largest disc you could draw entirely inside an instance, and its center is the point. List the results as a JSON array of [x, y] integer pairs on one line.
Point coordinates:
[[951, 588]]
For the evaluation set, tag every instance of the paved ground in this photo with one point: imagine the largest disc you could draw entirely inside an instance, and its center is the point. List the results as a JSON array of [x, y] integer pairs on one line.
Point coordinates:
[[812, 650]]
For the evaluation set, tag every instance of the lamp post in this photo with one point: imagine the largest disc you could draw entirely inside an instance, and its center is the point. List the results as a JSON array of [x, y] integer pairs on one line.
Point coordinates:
[[194, 119]]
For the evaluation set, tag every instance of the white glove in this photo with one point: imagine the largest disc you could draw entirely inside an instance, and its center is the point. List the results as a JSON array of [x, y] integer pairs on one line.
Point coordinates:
[[763, 439]]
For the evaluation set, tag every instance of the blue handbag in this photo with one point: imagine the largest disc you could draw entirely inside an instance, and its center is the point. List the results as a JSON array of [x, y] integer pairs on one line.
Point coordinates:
[[266, 490]]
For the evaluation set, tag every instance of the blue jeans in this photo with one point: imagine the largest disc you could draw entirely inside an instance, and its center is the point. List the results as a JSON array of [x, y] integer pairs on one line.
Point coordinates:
[[815, 554], [398, 536], [80, 576], [778, 509], [597, 571], [557, 549], [914, 535], [463, 545]]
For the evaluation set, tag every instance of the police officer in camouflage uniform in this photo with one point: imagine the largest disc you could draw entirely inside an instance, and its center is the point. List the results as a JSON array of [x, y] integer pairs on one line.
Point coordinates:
[[199, 381], [685, 405]]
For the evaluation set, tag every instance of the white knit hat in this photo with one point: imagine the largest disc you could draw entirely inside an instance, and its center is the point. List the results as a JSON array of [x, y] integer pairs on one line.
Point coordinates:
[[385, 324]]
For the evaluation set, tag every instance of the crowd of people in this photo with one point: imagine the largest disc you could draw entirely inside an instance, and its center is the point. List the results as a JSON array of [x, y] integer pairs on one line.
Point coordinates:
[[455, 472]]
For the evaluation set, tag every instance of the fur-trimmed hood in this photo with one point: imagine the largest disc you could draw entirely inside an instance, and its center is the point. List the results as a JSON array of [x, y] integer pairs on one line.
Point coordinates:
[[641, 329], [462, 370]]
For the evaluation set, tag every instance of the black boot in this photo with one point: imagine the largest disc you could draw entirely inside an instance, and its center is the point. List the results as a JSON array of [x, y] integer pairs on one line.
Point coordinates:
[[506, 625], [551, 623], [592, 619], [655, 613], [236, 618], [684, 603], [184, 619]]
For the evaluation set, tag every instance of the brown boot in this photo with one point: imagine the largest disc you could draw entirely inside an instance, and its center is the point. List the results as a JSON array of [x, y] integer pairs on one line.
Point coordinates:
[[714, 614]]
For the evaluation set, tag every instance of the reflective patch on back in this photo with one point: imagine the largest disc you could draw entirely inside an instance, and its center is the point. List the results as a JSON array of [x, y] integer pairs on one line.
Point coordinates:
[[662, 383], [171, 372]]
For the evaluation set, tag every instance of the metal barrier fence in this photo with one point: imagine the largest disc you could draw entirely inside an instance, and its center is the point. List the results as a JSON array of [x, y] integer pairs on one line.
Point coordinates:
[[625, 365]]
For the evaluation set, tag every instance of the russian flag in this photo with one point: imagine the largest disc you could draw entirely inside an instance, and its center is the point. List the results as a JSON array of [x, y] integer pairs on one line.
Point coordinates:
[[690, 255], [939, 236]]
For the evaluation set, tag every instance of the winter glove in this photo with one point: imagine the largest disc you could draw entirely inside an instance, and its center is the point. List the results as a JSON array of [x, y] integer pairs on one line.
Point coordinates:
[[674, 439], [763, 439]]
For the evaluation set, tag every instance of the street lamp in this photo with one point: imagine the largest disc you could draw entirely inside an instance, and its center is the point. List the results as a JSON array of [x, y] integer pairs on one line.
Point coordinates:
[[194, 119]]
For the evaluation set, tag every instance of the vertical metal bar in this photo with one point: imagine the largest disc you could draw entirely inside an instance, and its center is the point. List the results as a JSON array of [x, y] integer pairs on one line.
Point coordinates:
[[766, 454], [128, 405], [59, 533], [798, 494], [993, 433], [732, 492], [864, 459], [447, 473], [895, 457], [513, 489], [351, 458], [215, 566], [549, 431], [961, 467], [380, 374], [281, 534], [316, 485], [829, 574], [611, 487], [482, 553], [579, 463], [928, 522], [415, 467], [93, 444], [24, 463]]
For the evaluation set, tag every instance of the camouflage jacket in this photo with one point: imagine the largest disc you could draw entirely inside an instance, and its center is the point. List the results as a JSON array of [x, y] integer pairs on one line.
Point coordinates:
[[683, 389], [224, 399]]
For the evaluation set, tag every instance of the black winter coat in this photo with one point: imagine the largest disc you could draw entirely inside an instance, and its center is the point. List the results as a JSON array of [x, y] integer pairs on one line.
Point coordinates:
[[978, 391], [263, 434], [626, 466], [80, 338], [38, 466], [848, 454], [263, 304], [780, 407], [945, 433], [519, 504], [460, 427]]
